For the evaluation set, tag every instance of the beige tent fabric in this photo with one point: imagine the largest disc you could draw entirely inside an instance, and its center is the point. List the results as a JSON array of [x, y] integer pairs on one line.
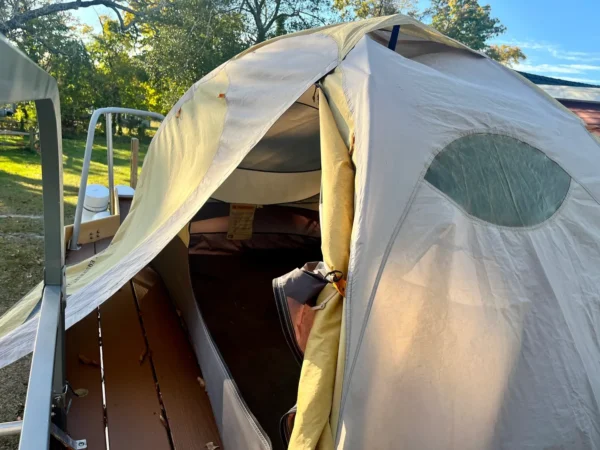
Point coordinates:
[[159, 192], [333, 87], [347, 35], [268, 188], [163, 190], [189, 139], [487, 333], [21, 310], [28, 81], [317, 380], [199, 144], [462, 333]]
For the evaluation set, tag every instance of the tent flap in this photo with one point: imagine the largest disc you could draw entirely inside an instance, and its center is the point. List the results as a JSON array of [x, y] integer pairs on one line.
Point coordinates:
[[318, 376], [200, 143]]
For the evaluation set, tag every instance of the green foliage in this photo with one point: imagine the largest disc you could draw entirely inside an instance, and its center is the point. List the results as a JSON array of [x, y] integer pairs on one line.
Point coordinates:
[[466, 21], [363, 9], [25, 115], [506, 54], [185, 43], [472, 24], [265, 19], [120, 78], [280, 26], [150, 63], [53, 43]]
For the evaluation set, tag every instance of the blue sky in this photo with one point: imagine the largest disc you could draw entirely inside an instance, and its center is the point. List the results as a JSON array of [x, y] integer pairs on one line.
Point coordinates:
[[90, 15], [561, 39]]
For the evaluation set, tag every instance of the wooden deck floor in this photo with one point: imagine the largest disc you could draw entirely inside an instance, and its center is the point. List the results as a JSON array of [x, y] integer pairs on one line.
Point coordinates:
[[153, 394]]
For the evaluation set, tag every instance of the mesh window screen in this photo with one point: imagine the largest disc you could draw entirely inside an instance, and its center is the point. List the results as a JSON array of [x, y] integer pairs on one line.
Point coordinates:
[[500, 179]]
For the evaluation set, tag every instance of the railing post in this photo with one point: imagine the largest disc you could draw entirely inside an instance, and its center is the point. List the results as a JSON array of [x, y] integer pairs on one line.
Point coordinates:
[[135, 149], [85, 168], [52, 191], [109, 160], [46, 378], [88, 156], [32, 138], [22, 80]]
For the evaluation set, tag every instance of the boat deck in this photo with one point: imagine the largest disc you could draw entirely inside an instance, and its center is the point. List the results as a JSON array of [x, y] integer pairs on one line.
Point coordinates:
[[152, 395]]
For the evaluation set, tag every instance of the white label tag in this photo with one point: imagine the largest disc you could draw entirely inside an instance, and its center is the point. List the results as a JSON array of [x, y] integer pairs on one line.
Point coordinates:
[[241, 218]]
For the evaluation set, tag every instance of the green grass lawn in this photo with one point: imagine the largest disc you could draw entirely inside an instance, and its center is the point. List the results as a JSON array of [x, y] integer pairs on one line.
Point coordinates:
[[21, 238], [21, 175]]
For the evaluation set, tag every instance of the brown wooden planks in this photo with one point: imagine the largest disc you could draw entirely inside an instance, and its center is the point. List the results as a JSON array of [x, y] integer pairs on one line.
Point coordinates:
[[186, 403], [86, 414], [124, 207], [132, 404], [102, 244], [76, 256]]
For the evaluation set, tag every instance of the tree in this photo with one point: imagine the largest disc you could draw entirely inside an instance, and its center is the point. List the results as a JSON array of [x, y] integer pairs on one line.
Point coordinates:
[[120, 78], [74, 74], [182, 45], [17, 14], [466, 21], [283, 15], [506, 54], [56, 46], [362, 9], [473, 25]]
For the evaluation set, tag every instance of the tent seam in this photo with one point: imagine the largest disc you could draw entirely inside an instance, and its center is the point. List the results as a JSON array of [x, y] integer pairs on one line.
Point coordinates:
[[351, 262], [387, 251]]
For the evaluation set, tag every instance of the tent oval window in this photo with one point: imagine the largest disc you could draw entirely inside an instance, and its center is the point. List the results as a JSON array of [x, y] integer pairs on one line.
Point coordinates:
[[500, 179]]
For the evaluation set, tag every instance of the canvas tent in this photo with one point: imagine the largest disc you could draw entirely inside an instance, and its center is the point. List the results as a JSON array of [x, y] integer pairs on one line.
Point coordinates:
[[459, 201]]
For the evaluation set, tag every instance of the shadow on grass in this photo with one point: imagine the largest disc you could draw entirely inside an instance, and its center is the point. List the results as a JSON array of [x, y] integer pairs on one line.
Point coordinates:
[[20, 172], [23, 195], [74, 152], [11, 145]]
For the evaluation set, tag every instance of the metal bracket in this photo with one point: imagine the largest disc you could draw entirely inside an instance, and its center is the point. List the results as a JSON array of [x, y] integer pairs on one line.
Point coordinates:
[[15, 428], [60, 398], [67, 440]]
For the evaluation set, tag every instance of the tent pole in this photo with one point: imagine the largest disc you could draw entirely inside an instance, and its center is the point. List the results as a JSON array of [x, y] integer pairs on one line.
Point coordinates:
[[109, 161], [394, 37]]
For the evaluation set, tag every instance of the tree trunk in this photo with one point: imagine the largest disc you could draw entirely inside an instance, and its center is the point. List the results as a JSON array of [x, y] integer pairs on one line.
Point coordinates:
[[261, 35]]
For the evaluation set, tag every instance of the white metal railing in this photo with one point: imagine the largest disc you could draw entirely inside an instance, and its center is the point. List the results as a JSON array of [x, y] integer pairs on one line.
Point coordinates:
[[22, 80], [109, 159]]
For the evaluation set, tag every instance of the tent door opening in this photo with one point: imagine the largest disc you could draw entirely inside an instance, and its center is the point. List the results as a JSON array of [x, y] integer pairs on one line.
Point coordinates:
[[262, 223], [232, 283]]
